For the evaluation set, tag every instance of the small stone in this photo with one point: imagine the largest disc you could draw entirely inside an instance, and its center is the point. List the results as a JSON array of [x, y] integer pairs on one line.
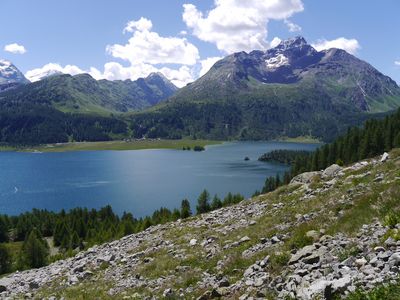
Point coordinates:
[[394, 260], [360, 262], [244, 239], [193, 242], [385, 157], [379, 249], [275, 240], [168, 293], [313, 234], [224, 282]]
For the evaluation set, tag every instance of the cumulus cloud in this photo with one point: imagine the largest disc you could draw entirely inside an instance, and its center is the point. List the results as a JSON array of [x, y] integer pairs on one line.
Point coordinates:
[[275, 42], [115, 71], [292, 26], [207, 63], [142, 24], [349, 45], [237, 25], [15, 48], [397, 63], [52, 69], [146, 46]]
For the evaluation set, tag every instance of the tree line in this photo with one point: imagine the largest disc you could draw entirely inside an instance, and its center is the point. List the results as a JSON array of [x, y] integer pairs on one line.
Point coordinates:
[[80, 228], [374, 138]]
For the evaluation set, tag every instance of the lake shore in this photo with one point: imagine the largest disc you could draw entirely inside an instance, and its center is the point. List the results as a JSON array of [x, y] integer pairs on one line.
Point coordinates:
[[115, 145]]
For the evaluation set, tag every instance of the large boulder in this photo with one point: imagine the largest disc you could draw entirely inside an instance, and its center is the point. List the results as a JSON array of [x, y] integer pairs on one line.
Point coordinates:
[[331, 171], [304, 178]]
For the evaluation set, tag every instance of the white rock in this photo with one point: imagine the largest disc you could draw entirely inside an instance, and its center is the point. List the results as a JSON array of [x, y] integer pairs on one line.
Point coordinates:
[[193, 242], [385, 157]]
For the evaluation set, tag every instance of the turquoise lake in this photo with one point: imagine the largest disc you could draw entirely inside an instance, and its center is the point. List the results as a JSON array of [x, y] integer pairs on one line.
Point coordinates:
[[137, 181]]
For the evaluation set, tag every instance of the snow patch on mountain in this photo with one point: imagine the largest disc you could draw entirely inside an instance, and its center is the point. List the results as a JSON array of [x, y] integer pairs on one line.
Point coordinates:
[[277, 61]]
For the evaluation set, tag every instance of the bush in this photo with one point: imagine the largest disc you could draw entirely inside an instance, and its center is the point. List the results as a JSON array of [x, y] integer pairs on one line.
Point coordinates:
[[279, 259], [392, 219]]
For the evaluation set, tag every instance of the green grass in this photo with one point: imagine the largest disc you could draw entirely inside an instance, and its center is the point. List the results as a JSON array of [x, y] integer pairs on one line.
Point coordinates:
[[382, 292], [120, 145], [300, 139]]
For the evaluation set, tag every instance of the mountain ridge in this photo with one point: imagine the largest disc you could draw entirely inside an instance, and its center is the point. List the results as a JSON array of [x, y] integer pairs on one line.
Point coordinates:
[[290, 90], [83, 94]]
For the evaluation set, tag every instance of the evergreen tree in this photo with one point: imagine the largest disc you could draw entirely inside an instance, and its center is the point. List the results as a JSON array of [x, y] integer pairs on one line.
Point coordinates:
[[185, 209], [35, 250], [203, 203], [216, 203], [228, 200]]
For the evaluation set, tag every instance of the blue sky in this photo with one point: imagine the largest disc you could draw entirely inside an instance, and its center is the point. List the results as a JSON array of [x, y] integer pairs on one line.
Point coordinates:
[[182, 42]]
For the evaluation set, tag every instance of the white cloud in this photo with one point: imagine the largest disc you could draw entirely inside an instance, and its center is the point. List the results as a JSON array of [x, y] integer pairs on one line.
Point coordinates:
[[146, 46], [349, 45], [237, 25], [15, 48], [275, 42], [142, 24], [292, 26], [51, 69], [179, 77], [115, 71], [397, 62], [207, 63]]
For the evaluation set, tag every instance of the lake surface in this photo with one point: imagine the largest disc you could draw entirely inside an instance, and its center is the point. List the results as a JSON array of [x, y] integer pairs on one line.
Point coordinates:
[[138, 181]]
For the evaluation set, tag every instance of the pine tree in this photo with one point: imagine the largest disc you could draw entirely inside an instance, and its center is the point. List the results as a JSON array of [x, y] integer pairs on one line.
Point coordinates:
[[35, 250], [203, 203], [185, 209], [216, 203]]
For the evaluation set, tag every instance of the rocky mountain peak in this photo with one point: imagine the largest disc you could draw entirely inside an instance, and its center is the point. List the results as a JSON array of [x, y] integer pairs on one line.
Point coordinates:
[[295, 42], [10, 76]]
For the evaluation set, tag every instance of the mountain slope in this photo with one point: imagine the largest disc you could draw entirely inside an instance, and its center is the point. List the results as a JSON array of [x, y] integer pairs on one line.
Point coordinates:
[[290, 90], [319, 239], [83, 94], [10, 76]]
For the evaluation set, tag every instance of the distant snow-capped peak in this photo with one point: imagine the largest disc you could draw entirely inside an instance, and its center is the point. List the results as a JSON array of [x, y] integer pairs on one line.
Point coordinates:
[[10, 73]]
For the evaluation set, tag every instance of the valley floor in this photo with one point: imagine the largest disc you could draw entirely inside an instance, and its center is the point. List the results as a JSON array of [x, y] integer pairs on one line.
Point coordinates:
[[325, 235]]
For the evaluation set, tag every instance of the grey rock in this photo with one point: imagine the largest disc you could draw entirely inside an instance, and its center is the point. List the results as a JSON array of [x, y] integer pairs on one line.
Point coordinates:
[[304, 252], [304, 178], [331, 171]]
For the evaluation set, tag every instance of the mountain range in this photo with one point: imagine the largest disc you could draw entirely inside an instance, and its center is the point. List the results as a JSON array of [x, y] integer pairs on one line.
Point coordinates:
[[290, 90]]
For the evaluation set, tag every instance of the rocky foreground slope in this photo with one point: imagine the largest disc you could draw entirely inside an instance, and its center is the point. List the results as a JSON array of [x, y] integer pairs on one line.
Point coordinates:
[[324, 235]]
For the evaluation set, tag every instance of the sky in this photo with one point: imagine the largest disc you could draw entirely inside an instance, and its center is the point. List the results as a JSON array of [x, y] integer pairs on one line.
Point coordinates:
[[128, 39]]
